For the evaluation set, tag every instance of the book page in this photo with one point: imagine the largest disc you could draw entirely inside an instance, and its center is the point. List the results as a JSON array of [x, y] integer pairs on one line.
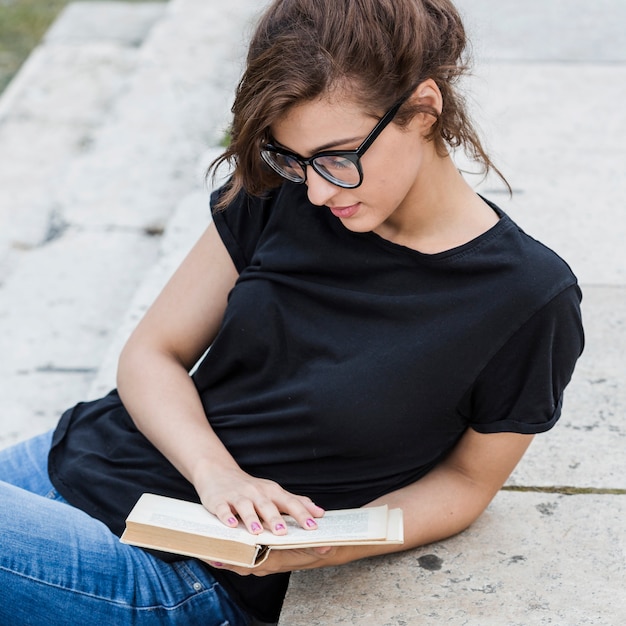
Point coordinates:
[[367, 524], [210, 529], [349, 525], [189, 517]]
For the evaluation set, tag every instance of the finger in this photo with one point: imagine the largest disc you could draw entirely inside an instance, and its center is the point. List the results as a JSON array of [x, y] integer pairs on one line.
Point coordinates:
[[248, 514], [272, 519], [302, 509], [311, 507], [267, 505], [226, 515], [242, 571]]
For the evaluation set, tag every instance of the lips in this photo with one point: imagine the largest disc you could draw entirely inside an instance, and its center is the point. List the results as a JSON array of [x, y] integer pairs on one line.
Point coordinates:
[[344, 212]]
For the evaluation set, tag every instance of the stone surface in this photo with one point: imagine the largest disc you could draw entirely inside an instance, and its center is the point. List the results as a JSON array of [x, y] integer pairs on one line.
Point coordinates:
[[47, 119], [84, 195], [531, 560], [587, 447], [58, 313], [568, 31], [188, 222], [146, 157], [125, 23], [560, 145]]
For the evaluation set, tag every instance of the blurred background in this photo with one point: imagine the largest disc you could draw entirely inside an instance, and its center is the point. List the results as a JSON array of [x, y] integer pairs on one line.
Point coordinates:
[[22, 25]]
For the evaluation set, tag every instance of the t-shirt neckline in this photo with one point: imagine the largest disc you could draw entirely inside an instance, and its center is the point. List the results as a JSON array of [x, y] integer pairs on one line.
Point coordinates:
[[503, 224]]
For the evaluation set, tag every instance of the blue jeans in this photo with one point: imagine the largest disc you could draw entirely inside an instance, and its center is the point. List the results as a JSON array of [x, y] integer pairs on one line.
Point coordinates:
[[58, 565]]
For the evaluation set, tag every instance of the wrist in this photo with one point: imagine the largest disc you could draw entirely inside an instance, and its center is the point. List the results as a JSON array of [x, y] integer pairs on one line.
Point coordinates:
[[205, 469]]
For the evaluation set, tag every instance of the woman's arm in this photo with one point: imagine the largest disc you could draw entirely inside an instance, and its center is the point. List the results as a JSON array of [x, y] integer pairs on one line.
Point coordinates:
[[155, 386], [441, 504], [455, 493]]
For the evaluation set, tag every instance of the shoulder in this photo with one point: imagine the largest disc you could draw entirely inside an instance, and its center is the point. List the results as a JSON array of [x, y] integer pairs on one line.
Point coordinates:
[[243, 222], [244, 206], [528, 267], [505, 278]]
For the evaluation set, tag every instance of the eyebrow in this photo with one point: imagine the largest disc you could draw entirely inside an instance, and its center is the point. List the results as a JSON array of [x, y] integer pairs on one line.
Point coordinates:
[[326, 146]]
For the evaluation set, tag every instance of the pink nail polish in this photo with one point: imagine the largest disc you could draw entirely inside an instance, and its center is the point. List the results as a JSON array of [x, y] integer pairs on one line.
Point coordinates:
[[216, 564], [279, 527], [255, 526], [232, 521], [311, 523]]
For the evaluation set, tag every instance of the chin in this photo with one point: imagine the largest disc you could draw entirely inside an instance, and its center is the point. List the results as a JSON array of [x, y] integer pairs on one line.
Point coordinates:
[[358, 226]]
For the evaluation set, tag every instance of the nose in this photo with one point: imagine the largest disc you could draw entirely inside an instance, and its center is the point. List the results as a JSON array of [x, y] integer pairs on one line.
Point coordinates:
[[319, 190]]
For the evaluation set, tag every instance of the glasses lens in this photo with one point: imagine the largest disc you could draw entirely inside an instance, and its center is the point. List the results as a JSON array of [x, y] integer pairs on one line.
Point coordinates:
[[285, 165], [338, 169]]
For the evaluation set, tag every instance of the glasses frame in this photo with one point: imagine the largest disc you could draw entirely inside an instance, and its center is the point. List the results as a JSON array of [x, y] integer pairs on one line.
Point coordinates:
[[354, 156]]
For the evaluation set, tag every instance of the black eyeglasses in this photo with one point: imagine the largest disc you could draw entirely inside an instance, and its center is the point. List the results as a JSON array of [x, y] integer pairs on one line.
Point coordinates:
[[340, 167]]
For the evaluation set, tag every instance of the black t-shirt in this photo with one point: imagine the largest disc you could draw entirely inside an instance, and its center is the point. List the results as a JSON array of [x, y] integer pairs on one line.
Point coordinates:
[[346, 366]]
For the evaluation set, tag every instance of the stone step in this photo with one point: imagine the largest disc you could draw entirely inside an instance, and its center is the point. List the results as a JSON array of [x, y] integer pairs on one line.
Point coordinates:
[[58, 311], [97, 212], [119, 22], [51, 110], [530, 560], [188, 222], [562, 152], [146, 157]]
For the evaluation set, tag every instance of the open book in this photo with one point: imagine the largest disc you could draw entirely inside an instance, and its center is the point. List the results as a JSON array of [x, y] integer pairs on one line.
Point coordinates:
[[187, 528]]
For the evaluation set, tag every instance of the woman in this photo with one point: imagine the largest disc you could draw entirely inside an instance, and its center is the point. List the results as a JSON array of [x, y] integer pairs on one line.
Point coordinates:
[[378, 333]]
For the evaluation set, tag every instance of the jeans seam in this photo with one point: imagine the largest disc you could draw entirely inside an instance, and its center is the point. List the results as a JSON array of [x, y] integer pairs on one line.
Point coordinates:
[[106, 599], [47, 583]]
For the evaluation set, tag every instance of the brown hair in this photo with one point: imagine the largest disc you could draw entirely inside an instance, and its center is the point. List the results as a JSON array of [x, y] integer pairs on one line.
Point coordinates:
[[383, 49]]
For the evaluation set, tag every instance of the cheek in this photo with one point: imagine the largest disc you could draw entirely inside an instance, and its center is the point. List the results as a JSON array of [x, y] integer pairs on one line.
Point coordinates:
[[397, 174], [392, 170], [399, 159]]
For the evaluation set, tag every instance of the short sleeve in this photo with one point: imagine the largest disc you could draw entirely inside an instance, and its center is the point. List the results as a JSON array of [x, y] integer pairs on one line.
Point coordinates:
[[241, 223], [521, 388]]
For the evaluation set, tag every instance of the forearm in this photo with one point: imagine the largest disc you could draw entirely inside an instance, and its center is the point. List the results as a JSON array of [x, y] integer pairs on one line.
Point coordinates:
[[173, 419], [153, 379], [450, 497], [438, 506], [165, 406]]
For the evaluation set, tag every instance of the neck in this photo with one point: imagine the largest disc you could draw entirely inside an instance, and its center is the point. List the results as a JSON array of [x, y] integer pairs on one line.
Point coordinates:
[[440, 212]]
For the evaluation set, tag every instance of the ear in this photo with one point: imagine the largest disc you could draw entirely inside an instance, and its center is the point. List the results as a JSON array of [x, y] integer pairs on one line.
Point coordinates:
[[427, 94]]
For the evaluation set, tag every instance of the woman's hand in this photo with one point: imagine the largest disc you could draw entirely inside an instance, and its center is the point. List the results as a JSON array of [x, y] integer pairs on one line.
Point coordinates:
[[285, 561], [232, 495]]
